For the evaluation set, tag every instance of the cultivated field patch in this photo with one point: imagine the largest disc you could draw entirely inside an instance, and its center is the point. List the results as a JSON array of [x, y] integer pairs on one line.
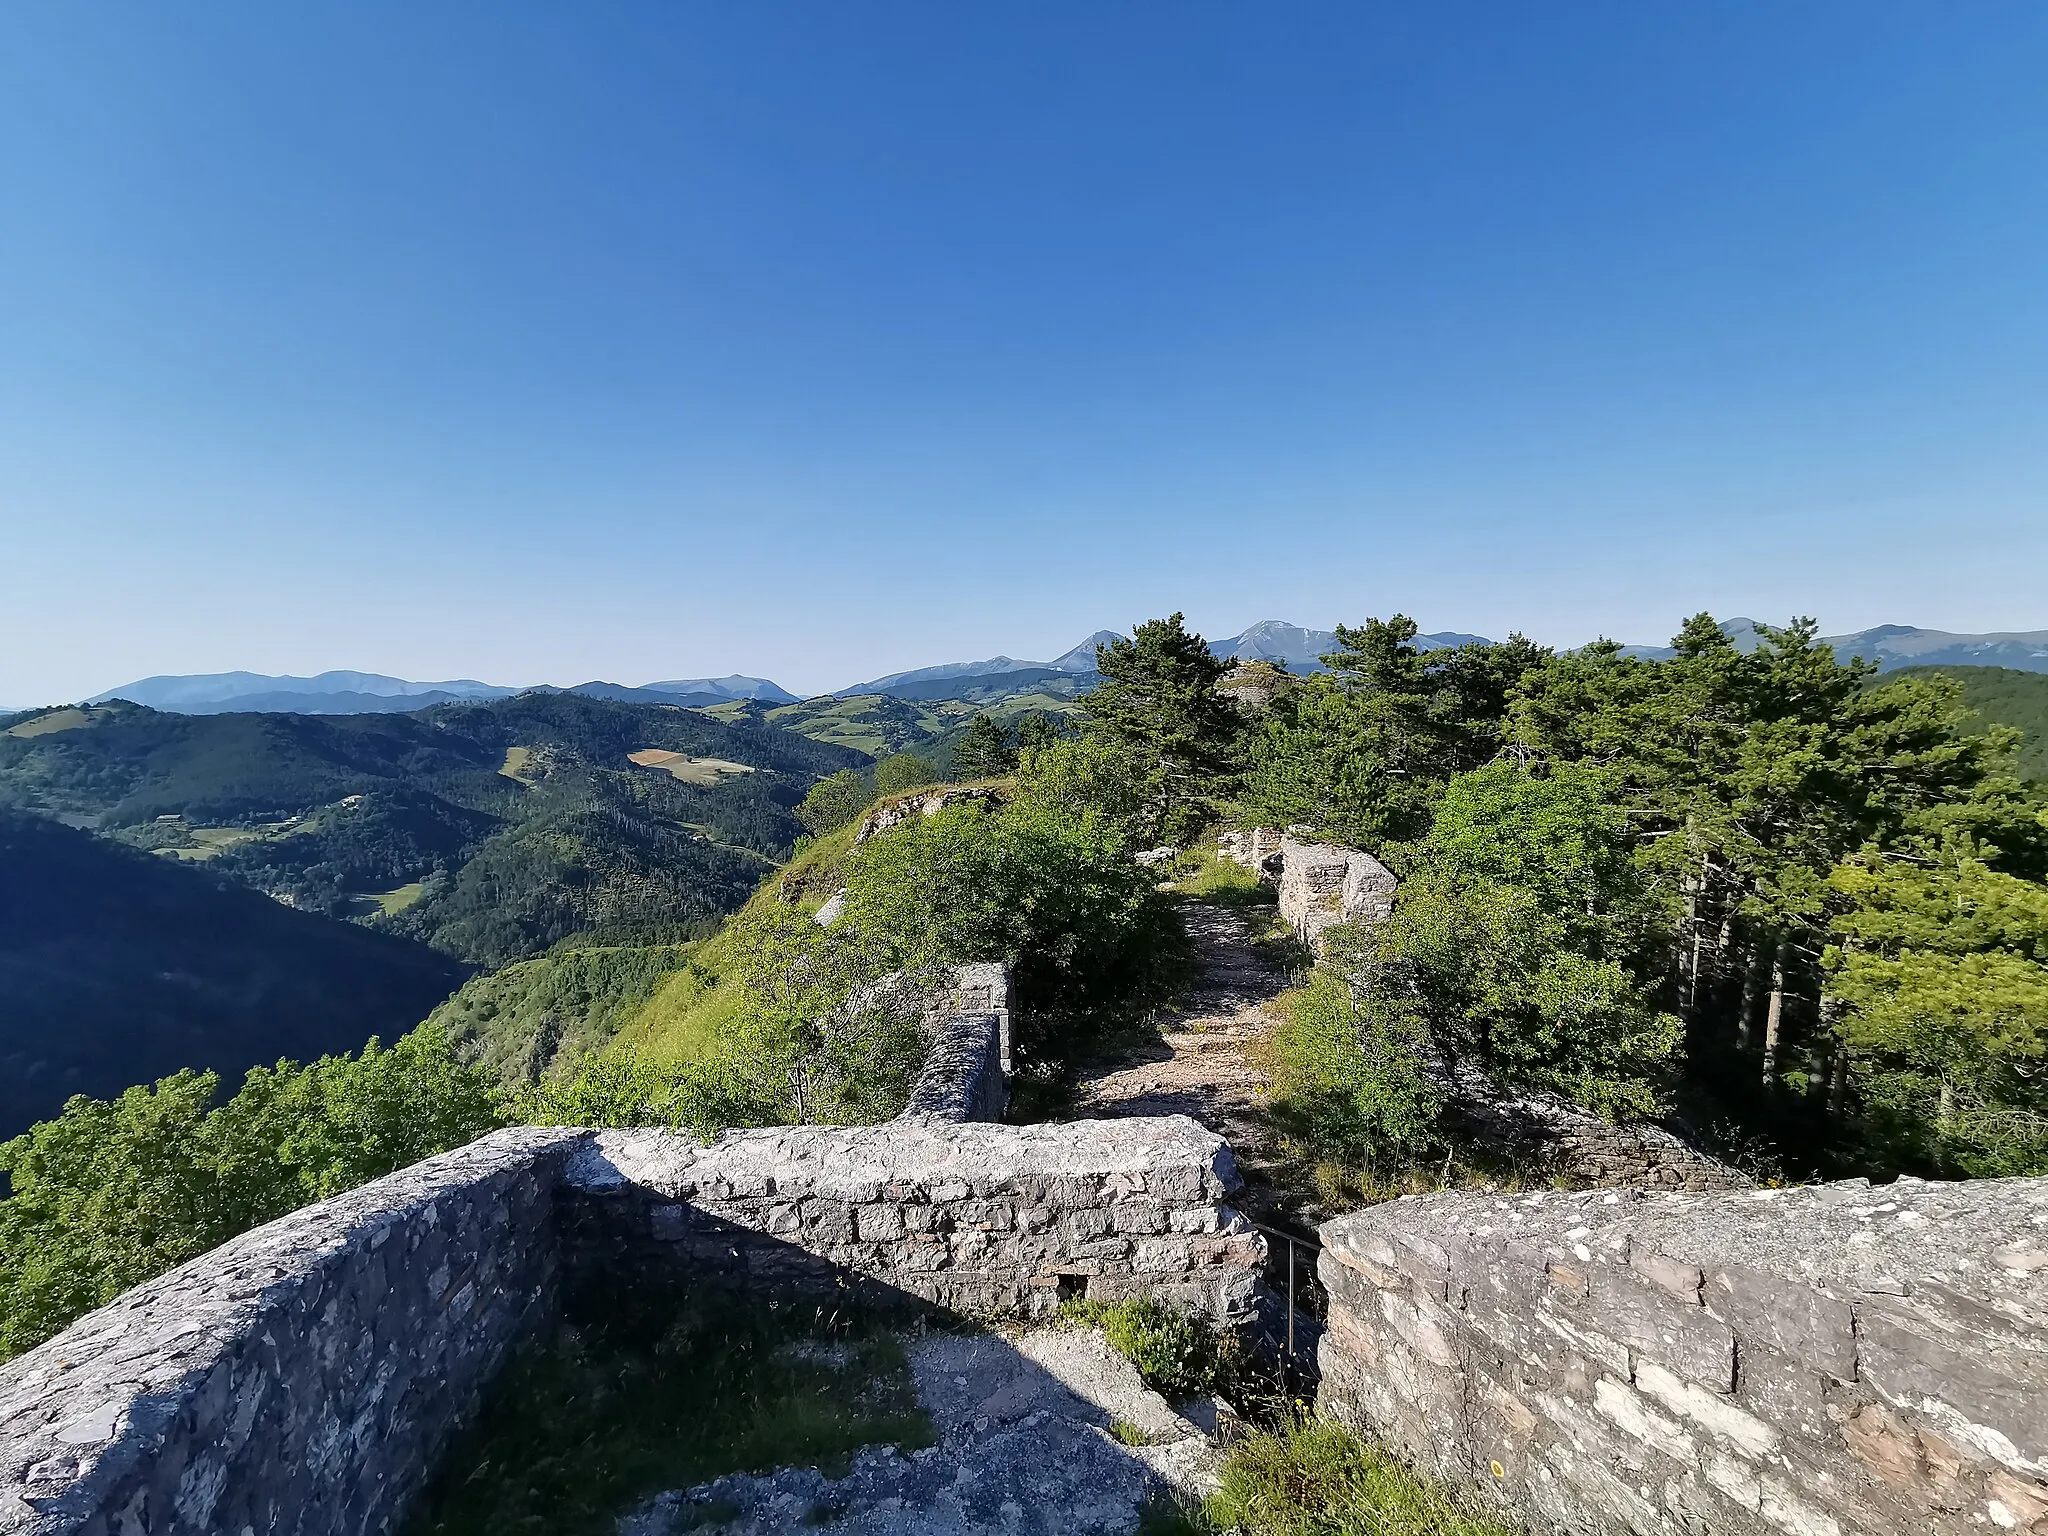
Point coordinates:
[[691, 770]]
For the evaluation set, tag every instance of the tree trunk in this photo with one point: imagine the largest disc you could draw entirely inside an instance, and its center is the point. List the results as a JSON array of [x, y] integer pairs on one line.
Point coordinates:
[[1752, 973], [1776, 1015], [1838, 1084], [1689, 946], [1824, 1081]]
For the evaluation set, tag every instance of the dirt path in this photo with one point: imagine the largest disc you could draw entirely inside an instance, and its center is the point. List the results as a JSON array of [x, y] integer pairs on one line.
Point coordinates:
[[1203, 1062]]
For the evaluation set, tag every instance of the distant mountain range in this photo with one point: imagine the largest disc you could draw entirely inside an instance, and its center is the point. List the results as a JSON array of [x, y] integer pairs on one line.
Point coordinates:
[[997, 677], [1893, 646], [362, 693]]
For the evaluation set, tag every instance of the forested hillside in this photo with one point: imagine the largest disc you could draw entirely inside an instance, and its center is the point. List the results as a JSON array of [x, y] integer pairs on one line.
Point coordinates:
[[879, 724], [2002, 696], [491, 831], [117, 968]]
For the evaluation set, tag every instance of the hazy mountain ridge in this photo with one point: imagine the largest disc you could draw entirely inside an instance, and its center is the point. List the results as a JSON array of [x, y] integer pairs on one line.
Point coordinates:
[[996, 677]]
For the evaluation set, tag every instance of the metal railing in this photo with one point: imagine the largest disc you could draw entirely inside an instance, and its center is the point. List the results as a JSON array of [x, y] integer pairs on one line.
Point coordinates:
[[1293, 1241]]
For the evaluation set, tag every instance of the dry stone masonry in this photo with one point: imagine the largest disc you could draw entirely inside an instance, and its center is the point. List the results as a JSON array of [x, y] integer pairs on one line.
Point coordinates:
[[966, 1073], [980, 1219], [1779, 1362], [302, 1378], [1322, 885]]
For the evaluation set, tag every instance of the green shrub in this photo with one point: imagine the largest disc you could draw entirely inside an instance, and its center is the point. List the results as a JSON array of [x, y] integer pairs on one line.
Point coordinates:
[[836, 800], [1348, 1072], [116, 1191], [1045, 883], [1315, 1478], [1176, 1356], [905, 771]]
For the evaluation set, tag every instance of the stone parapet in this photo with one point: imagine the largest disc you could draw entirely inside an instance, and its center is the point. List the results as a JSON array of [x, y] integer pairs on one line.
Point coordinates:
[[1816, 1361], [981, 1219], [1322, 885], [301, 1378]]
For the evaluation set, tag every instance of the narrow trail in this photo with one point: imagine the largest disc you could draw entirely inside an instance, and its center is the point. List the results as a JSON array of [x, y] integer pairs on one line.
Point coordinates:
[[1204, 1062]]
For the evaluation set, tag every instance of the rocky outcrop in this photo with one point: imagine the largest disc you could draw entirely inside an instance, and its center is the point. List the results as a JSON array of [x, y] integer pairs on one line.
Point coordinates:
[[1812, 1362], [1322, 885], [893, 813]]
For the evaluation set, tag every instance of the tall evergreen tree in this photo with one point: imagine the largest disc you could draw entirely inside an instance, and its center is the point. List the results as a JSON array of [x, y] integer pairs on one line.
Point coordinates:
[[1157, 704], [986, 751]]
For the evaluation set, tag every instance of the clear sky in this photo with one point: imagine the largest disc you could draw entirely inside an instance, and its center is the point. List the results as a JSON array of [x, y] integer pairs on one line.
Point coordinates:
[[552, 342]]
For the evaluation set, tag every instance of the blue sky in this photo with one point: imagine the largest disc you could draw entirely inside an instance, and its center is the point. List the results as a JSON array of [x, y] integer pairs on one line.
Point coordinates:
[[555, 342]]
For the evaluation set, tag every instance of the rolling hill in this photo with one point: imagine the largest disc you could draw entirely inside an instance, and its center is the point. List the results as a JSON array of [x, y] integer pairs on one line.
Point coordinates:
[[117, 968], [489, 830]]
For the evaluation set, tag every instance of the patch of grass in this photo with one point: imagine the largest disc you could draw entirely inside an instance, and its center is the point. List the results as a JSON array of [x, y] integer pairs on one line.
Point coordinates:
[[1124, 1432], [687, 769], [1176, 1356], [1223, 881], [642, 1393], [517, 761], [1165, 1515], [49, 724], [685, 1019], [1315, 1478]]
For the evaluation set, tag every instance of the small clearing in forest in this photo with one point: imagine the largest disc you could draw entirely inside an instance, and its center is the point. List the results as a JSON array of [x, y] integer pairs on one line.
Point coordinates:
[[691, 770]]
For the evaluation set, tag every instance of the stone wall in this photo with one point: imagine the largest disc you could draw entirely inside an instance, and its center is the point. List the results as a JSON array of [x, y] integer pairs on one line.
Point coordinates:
[[981, 1219], [1814, 1361], [1322, 885], [1545, 1136], [966, 1072], [1255, 848], [302, 1378]]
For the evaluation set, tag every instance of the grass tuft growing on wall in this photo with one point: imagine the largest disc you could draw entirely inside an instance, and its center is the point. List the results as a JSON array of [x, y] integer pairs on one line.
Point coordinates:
[[1315, 1478]]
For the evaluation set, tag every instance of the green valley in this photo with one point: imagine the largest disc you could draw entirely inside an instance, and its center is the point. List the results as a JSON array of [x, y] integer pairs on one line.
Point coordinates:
[[490, 831]]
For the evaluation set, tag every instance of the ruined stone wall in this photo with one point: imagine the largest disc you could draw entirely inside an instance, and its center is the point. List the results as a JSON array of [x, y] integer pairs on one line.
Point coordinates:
[[981, 1219], [301, 1378], [1322, 885], [1548, 1137], [1812, 1361]]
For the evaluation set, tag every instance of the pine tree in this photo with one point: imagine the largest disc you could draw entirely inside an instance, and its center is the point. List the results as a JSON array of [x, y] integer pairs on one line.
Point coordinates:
[[986, 751], [1157, 704]]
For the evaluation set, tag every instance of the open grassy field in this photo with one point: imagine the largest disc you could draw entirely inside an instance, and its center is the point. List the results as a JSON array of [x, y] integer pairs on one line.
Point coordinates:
[[515, 764], [208, 842], [392, 901], [688, 769], [50, 724]]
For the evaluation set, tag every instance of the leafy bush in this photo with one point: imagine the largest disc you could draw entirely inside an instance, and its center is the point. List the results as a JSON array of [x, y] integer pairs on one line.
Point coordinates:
[[836, 801], [1516, 936], [114, 1192], [1176, 1356], [1349, 1075], [905, 771], [1045, 883]]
